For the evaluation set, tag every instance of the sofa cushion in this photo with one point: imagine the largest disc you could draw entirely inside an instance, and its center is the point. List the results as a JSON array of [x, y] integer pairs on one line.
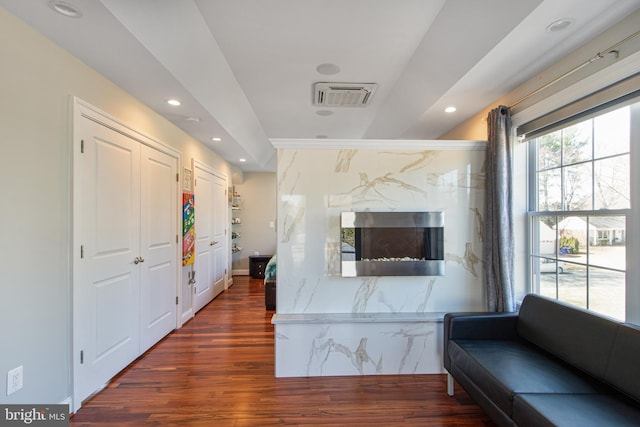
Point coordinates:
[[571, 410], [502, 368], [579, 337], [623, 367]]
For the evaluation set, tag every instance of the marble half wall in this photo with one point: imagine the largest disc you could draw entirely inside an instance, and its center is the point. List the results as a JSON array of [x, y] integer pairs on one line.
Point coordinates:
[[317, 181]]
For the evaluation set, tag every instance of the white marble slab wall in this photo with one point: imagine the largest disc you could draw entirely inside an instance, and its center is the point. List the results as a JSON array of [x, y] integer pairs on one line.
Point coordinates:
[[376, 346], [315, 185]]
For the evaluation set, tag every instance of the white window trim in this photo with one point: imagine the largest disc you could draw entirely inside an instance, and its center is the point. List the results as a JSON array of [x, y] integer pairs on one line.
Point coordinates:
[[632, 285]]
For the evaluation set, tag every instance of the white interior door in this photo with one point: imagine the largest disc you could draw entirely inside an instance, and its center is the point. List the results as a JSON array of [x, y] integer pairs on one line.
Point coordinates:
[[210, 225], [158, 241], [107, 282], [220, 225], [203, 214], [125, 257]]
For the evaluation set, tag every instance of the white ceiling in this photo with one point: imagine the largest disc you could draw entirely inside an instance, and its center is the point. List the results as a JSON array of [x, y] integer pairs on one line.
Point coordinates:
[[245, 68]]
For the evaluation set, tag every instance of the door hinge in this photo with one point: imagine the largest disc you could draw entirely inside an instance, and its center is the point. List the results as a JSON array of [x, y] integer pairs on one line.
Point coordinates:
[[177, 239], [81, 251], [177, 177], [176, 300], [81, 357], [82, 146]]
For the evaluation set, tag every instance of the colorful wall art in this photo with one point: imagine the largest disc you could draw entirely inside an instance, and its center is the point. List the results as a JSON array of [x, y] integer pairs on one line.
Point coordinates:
[[188, 231]]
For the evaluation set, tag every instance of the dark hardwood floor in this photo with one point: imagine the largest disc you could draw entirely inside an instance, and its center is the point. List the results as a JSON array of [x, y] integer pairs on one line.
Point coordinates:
[[217, 370]]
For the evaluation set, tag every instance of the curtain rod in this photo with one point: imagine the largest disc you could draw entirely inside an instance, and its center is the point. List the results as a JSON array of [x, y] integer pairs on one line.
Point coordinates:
[[600, 55]]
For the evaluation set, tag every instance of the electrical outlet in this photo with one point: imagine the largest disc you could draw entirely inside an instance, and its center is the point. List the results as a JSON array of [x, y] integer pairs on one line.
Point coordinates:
[[14, 380]]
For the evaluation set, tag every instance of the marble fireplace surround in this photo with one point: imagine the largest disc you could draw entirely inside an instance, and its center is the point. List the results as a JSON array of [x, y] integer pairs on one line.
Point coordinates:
[[327, 324]]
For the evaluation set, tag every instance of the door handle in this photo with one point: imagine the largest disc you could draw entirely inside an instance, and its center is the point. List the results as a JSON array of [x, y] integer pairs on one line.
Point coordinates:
[[138, 260], [213, 243]]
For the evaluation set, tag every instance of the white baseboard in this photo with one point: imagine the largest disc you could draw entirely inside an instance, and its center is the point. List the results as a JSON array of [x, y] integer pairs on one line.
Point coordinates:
[[69, 402], [186, 316], [240, 272]]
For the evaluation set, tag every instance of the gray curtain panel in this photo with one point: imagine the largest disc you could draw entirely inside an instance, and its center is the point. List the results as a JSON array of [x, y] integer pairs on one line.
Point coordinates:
[[498, 245]]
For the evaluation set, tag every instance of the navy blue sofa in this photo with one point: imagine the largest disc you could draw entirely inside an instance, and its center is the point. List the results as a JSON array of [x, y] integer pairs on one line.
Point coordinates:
[[550, 364]]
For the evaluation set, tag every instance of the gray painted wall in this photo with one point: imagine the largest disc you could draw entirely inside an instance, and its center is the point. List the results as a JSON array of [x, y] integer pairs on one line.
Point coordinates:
[[258, 213]]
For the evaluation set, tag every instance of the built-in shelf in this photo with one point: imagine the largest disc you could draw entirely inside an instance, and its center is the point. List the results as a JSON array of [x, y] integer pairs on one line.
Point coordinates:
[[235, 222]]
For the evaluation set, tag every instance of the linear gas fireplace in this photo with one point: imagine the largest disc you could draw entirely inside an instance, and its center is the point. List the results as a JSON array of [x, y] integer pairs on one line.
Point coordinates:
[[392, 244]]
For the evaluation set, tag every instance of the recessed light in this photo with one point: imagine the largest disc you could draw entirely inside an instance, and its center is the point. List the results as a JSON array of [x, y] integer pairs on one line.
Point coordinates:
[[243, 160], [193, 119], [324, 113], [216, 139], [451, 109], [328, 69], [64, 8], [173, 102], [559, 25]]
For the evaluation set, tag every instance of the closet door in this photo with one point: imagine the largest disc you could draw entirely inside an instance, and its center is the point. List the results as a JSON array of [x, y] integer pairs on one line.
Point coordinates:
[[158, 242], [125, 237], [106, 289], [220, 224], [204, 255], [211, 220]]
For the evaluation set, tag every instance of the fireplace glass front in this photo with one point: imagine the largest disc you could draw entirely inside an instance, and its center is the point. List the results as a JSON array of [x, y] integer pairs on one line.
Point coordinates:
[[392, 244]]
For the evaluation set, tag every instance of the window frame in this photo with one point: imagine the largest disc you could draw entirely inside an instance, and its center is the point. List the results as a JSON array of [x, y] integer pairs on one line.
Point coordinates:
[[631, 214]]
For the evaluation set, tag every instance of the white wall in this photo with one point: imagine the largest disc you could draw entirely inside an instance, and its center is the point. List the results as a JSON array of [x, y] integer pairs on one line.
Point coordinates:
[[315, 186], [258, 212], [37, 80]]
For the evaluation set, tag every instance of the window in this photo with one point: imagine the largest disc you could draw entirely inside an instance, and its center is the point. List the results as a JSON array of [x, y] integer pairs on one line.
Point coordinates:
[[580, 203]]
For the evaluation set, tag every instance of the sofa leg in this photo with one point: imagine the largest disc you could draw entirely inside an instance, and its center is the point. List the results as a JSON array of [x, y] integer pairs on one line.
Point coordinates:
[[449, 384]]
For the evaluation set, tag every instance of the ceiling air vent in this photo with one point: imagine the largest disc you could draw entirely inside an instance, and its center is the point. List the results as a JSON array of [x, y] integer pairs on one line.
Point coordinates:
[[343, 94]]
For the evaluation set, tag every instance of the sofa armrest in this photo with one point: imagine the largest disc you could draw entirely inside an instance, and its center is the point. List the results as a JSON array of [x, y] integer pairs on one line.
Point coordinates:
[[478, 326], [481, 326]]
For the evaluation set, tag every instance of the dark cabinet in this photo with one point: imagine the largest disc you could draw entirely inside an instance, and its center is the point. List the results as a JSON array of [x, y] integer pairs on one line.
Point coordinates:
[[257, 265]]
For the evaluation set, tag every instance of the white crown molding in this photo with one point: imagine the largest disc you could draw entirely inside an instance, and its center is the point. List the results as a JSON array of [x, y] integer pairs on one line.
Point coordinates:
[[375, 144]]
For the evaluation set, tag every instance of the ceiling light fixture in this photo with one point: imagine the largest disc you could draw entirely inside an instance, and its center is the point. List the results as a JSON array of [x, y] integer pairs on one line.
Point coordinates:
[[216, 139], [328, 69], [451, 109], [174, 102], [243, 160], [64, 8], [559, 25], [193, 119]]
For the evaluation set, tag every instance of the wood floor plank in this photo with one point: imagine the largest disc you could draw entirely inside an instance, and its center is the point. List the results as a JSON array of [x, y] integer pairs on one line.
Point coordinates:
[[218, 370]]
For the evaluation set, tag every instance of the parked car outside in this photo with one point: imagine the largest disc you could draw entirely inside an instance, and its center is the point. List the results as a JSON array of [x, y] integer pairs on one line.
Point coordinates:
[[548, 265]]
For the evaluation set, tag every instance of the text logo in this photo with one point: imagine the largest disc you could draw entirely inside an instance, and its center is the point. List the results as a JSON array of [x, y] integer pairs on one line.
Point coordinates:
[[34, 415]]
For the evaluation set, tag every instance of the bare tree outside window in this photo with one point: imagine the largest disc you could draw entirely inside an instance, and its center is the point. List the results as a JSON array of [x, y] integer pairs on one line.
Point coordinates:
[[582, 182]]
